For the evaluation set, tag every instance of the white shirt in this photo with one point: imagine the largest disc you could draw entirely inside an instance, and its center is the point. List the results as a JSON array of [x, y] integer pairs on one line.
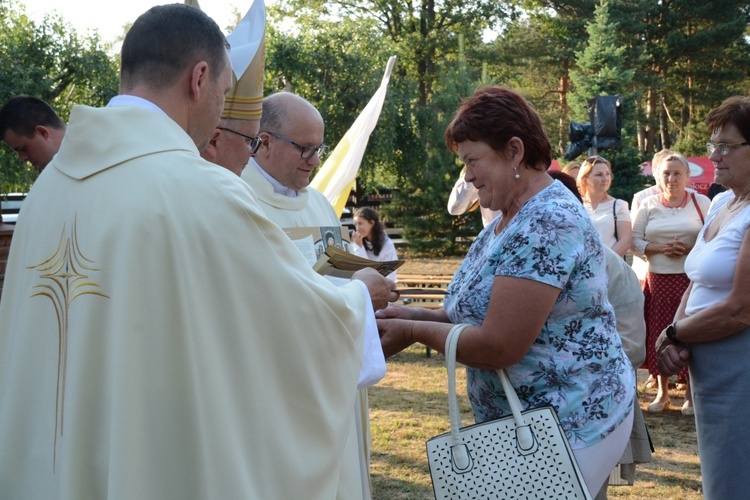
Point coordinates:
[[711, 265], [131, 101], [655, 223], [278, 187], [388, 252], [603, 220], [640, 196], [626, 297]]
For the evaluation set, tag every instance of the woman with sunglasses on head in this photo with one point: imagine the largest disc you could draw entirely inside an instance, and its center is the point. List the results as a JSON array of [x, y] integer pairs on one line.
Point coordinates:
[[610, 216], [711, 329], [664, 231]]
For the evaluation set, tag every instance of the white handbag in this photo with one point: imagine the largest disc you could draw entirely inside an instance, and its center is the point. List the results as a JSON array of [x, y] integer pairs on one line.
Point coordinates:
[[525, 455]]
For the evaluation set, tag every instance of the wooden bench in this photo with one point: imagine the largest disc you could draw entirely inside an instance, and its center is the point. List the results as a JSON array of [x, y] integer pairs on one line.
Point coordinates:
[[396, 234], [431, 293], [424, 280], [426, 283]]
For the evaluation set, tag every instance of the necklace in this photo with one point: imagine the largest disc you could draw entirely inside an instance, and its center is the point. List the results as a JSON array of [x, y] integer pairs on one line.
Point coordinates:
[[674, 210]]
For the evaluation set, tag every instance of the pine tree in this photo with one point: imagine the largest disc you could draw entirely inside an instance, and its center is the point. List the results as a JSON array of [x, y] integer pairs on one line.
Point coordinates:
[[599, 64], [600, 72]]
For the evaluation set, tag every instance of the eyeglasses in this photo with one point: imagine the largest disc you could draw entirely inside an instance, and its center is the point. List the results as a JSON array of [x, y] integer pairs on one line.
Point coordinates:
[[723, 148], [306, 152], [252, 142]]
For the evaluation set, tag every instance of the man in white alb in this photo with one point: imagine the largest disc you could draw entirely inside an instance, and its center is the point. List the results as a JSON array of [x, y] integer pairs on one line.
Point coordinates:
[[291, 131]]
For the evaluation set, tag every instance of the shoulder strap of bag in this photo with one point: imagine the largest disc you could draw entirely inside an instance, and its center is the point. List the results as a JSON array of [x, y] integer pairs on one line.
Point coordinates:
[[451, 345], [695, 202], [614, 216], [526, 440]]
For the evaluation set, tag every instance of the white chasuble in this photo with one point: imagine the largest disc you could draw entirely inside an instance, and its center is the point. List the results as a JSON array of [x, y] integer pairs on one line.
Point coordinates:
[[310, 208], [155, 331]]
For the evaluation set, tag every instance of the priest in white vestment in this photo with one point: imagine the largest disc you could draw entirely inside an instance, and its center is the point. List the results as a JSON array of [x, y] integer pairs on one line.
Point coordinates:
[[152, 325], [280, 174]]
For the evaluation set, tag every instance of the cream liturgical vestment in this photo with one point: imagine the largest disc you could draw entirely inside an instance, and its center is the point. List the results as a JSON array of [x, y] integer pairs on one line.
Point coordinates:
[[153, 331], [310, 208]]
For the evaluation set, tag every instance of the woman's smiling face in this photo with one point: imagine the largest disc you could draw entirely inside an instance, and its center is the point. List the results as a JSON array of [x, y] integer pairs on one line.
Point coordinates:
[[489, 172]]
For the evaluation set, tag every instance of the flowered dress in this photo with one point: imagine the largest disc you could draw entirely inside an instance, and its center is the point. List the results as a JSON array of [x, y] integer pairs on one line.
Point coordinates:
[[577, 363]]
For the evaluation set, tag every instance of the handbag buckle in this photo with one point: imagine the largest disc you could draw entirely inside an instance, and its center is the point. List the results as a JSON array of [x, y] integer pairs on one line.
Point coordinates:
[[527, 443], [461, 459]]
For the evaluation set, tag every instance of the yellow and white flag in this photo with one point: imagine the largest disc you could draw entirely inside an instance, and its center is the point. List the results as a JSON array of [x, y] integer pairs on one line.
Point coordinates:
[[336, 177]]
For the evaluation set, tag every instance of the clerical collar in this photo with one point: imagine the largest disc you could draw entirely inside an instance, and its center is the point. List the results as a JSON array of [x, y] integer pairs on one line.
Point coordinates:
[[131, 101], [278, 187]]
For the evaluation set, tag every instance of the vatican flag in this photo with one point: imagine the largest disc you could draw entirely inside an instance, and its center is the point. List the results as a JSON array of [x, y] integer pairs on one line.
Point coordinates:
[[336, 177]]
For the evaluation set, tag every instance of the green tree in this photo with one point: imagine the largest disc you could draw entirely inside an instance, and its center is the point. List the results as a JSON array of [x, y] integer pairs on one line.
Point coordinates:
[[338, 67], [430, 229], [600, 72], [424, 35], [51, 61], [599, 64], [689, 56]]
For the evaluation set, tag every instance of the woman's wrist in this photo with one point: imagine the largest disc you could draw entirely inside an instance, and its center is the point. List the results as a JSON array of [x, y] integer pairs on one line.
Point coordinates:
[[671, 333]]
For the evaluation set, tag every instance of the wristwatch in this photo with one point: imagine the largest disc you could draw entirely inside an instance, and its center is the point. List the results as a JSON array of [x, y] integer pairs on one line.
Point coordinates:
[[672, 334]]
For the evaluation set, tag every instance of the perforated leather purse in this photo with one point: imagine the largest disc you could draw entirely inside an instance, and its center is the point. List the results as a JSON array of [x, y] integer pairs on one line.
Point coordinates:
[[524, 455]]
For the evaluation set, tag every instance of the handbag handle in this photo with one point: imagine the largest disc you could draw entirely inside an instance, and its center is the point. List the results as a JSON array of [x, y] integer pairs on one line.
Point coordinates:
[[525, 438]]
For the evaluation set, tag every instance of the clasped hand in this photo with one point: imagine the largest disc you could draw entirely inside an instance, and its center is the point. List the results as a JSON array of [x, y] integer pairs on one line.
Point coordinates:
[[676, 248], [672, 358]]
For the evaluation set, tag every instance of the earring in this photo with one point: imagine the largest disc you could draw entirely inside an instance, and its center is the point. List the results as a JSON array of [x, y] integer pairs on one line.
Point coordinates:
[[517, 176]]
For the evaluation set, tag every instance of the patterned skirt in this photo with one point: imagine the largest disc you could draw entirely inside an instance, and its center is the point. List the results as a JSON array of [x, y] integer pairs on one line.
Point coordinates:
[[662, 294]]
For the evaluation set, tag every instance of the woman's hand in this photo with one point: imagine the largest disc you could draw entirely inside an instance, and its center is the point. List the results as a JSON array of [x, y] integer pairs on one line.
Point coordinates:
[[356, 238], [676, 248], [412, 313], [673, 359], [395, 335], [396, 312]]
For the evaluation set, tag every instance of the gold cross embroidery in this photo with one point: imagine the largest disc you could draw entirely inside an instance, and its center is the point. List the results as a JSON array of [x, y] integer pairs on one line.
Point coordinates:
[[64, 277]]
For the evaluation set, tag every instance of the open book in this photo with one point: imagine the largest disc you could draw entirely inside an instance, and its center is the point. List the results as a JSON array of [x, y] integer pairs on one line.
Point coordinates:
[[340, 264]]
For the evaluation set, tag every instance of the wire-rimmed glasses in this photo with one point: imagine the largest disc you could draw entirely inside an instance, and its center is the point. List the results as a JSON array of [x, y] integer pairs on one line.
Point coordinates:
[[724, 148]]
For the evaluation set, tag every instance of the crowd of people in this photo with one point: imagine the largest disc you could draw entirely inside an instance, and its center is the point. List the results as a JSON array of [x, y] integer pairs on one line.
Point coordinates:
[[191, 351]]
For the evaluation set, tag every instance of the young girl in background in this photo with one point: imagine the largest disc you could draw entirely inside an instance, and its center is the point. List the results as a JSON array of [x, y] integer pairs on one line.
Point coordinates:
[[370, 240]]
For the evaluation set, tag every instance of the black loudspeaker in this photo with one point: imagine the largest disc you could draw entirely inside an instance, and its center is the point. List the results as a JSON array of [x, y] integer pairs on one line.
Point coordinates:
[[605, 112], [580, 136]]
